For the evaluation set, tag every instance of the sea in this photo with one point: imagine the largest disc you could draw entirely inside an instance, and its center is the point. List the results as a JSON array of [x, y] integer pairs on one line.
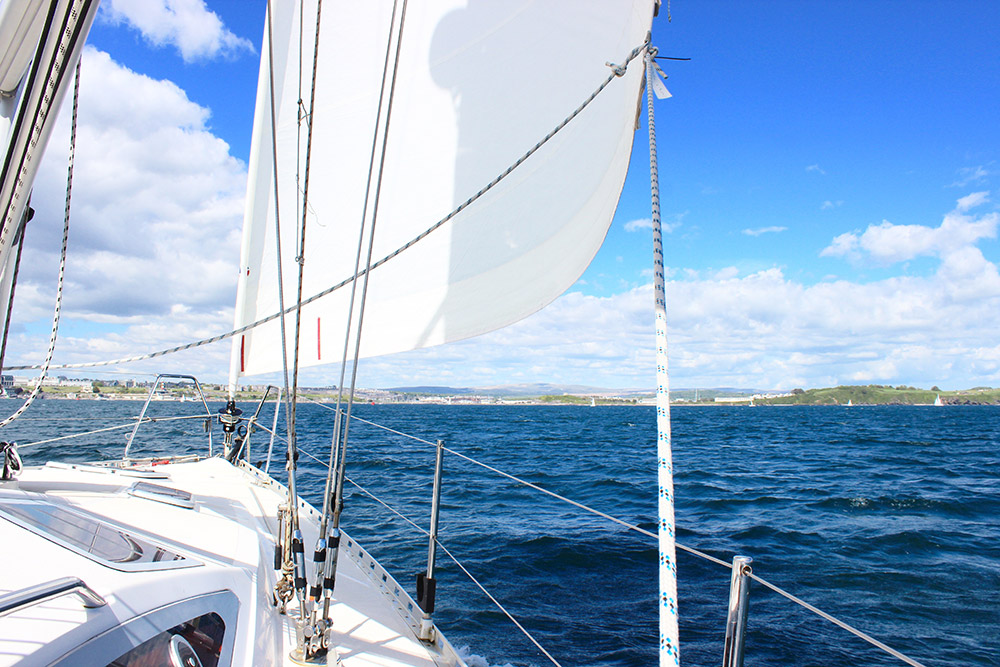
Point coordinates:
[[886, 517]]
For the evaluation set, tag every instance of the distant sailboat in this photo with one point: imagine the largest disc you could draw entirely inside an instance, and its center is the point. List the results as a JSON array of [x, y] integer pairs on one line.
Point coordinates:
[[937, 401], [849, 403]]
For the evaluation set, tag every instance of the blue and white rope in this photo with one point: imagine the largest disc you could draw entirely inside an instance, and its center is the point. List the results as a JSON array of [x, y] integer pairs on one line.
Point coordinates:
[[669, 629]]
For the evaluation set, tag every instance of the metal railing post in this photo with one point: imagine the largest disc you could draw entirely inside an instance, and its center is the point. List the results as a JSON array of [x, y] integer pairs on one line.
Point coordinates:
[[425, 581], [152, 392], [736, 623]]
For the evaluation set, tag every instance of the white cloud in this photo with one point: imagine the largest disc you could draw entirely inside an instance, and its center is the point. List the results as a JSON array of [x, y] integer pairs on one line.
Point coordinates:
[[156, 218], [728, 329], [887, 243], [667, 224], [828, 204], [760, 330], [154, 246], [968, 175], [764, 230], [188, 25], [816, 168], [636, 225], [727, 273], [971, 201]]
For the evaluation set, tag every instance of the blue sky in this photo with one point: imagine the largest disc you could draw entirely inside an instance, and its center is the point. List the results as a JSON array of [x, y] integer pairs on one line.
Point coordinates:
[[828, 178]]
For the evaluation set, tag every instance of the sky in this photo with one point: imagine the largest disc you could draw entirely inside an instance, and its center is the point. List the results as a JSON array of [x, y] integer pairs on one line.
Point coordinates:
[[829, 190]]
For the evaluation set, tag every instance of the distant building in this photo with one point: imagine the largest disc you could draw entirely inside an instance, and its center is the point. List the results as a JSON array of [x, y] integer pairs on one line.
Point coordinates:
[[7, 381]]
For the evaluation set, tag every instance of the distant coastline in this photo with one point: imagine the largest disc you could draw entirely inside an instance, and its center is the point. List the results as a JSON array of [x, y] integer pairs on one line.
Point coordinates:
[[844, 395]]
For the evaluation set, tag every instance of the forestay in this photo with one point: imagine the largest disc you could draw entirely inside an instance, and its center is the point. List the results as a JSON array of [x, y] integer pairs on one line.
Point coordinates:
[[478, 84]]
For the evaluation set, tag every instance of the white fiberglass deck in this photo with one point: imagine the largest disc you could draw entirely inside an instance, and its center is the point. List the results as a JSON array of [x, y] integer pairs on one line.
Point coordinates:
[[218, 551]]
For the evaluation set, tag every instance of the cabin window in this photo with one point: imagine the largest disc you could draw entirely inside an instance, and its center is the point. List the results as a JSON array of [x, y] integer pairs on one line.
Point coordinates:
[[194, 632], [194, 643]]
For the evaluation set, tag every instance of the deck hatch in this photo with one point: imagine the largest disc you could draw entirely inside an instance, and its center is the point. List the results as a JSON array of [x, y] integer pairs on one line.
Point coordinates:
[[162, 494], [89, 535]]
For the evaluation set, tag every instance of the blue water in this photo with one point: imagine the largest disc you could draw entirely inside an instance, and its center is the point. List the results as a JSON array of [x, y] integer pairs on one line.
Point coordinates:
[[886, 517]]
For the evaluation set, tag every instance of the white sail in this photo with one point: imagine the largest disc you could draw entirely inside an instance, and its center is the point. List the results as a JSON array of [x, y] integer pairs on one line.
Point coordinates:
[[478, 85]]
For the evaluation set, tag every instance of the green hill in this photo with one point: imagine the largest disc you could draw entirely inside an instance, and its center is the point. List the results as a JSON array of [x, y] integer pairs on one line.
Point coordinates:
[[876, 394]]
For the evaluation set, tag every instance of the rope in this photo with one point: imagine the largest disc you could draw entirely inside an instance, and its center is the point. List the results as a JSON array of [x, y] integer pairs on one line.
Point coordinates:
[[277, 221], [461, 207], [669, 622], [300, 259], [62, 258]]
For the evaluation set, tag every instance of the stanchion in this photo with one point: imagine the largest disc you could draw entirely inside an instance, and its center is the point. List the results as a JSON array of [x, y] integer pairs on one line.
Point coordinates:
[[736, 623], [425, 581]]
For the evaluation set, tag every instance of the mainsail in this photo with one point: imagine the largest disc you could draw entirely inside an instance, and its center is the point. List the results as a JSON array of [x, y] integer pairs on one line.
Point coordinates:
[[478, 84]]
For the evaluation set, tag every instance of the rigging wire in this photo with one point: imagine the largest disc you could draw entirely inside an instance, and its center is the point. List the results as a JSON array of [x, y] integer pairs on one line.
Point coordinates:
[[450, 555], [305, 648], [328, 542], [339, 487], [335, 445], [836, 621], [131, 424], [277, 210], [293, 505]]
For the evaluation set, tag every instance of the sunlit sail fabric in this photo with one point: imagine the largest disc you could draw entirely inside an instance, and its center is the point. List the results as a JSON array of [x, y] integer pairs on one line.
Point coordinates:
[[478, 84]]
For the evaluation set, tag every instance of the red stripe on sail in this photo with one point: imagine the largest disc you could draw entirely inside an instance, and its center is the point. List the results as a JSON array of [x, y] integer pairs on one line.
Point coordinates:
[[243, 342]]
